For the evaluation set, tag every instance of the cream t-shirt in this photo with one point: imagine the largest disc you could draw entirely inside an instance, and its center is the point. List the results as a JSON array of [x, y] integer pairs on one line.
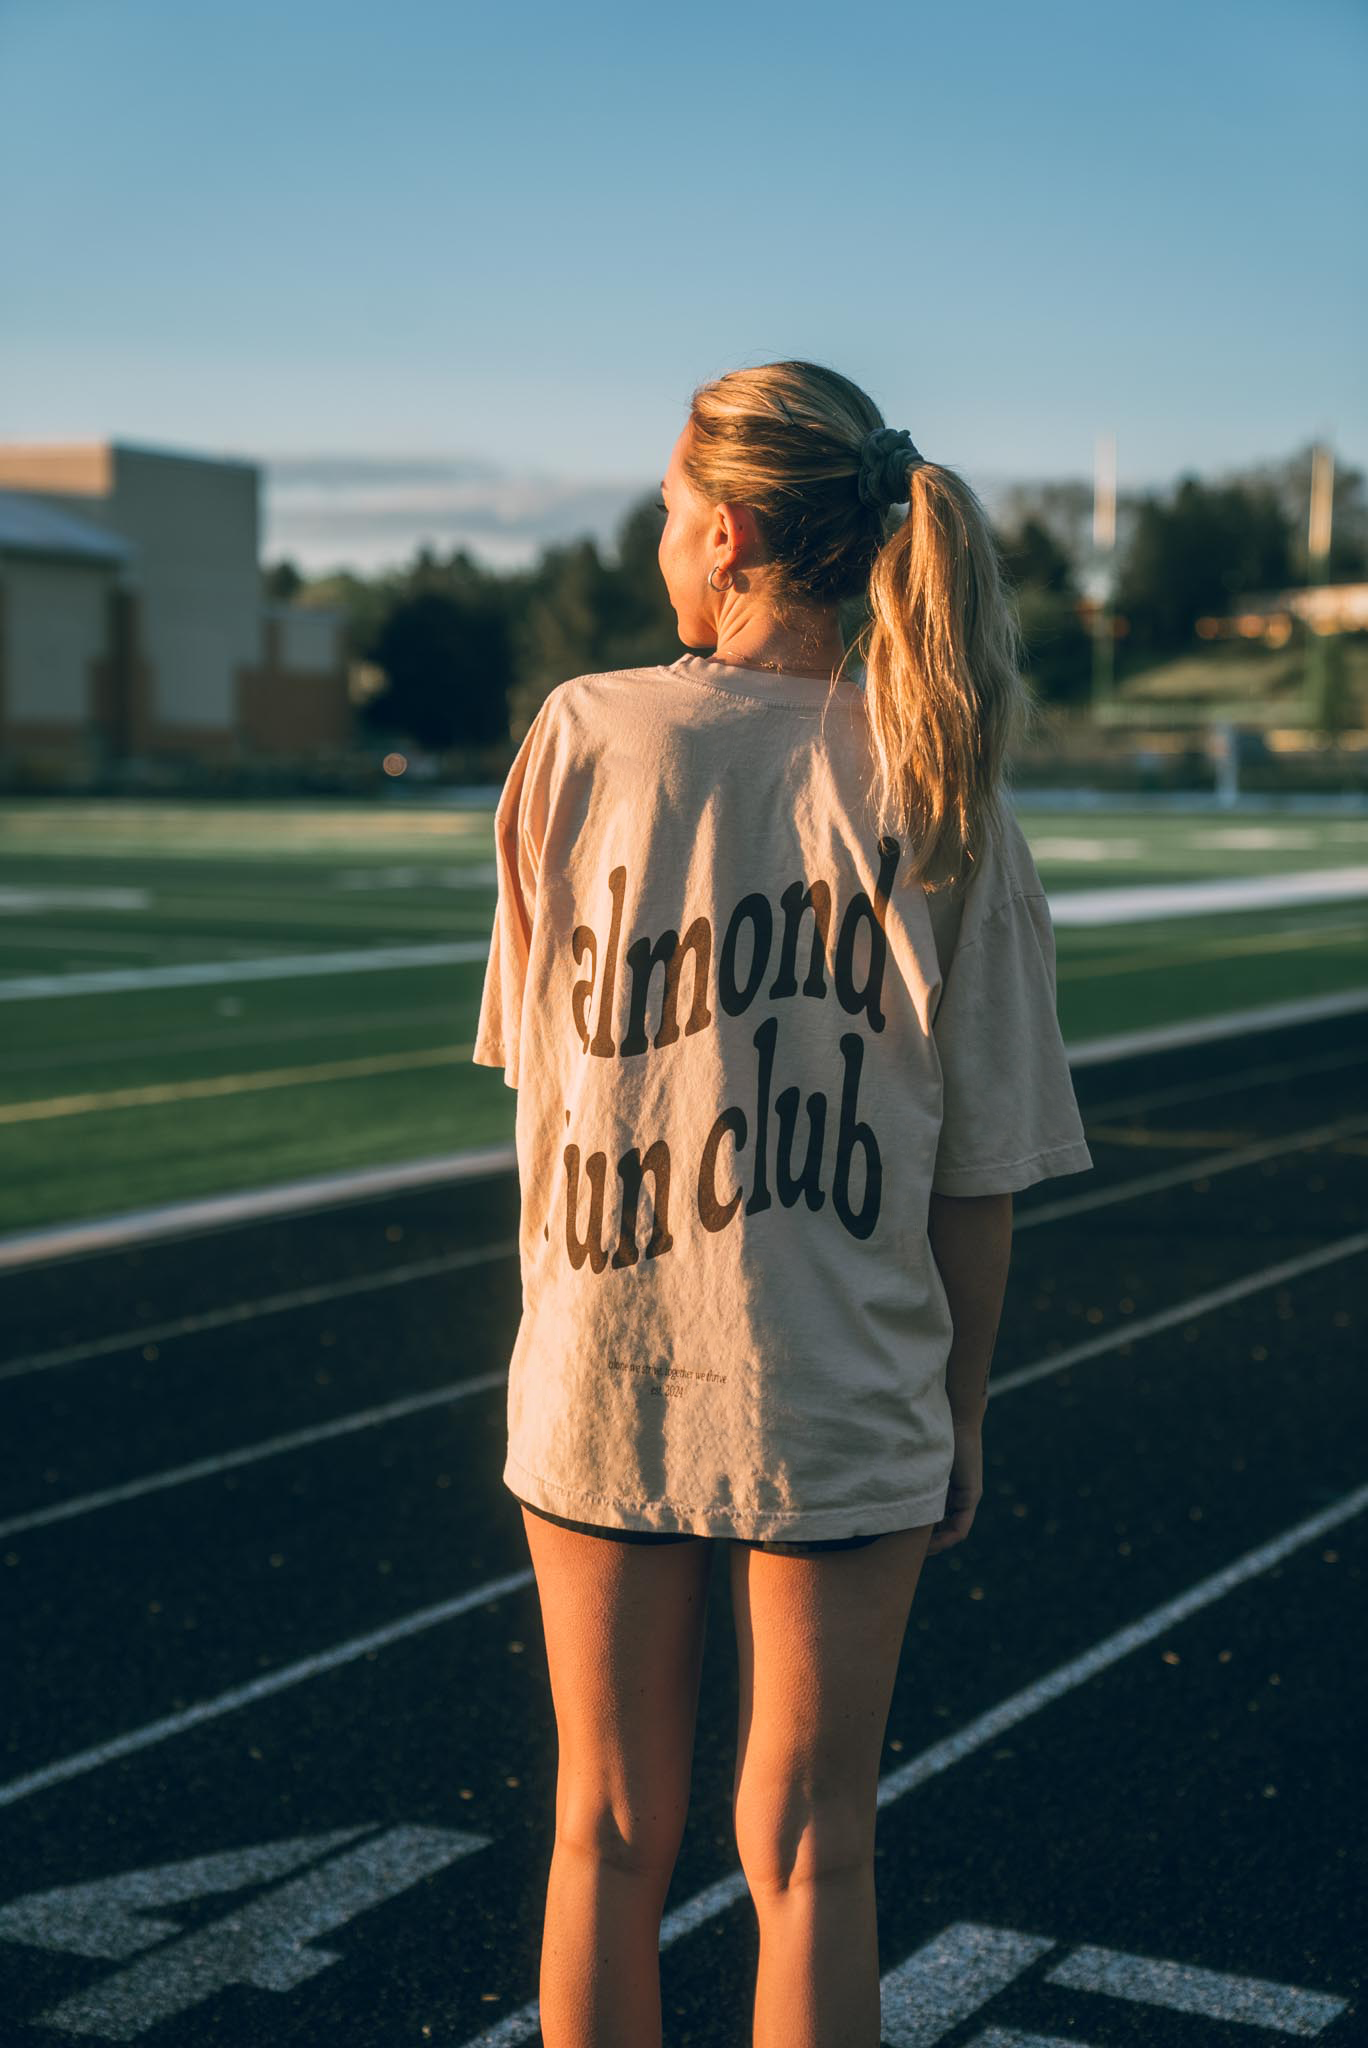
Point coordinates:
[[744, 1057]]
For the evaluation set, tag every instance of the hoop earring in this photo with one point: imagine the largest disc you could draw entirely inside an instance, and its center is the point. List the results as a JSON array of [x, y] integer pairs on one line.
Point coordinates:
[[718, 586]]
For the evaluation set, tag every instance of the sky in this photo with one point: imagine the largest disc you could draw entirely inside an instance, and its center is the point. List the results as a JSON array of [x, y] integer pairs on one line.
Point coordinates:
[[444, 268]]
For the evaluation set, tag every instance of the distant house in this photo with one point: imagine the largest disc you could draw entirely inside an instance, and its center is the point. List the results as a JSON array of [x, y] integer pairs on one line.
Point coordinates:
[[1270, 614], [132, 623]]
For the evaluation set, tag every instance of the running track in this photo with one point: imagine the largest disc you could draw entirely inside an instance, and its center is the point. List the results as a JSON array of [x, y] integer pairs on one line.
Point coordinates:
[[278, 1756]]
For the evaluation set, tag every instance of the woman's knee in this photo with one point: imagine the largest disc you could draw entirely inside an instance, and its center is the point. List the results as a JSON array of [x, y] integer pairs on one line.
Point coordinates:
[[789, 1835], [639, 1840]]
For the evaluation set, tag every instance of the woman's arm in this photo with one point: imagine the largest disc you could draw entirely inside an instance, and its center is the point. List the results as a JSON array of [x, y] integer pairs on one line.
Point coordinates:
[[971, 1242]]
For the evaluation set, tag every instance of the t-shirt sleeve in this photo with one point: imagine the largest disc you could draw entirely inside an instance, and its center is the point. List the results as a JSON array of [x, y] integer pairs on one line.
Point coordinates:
[[519, 831], [1009, 1114]]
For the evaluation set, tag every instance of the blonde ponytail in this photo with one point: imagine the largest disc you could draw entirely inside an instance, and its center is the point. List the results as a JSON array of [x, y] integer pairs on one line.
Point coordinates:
[[938, 637], [942, 653]]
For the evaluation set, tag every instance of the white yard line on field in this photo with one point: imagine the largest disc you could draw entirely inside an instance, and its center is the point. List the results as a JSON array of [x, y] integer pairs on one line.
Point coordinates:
[[1067, 907], [1124, 1045], [205, 973], [320, 1191], [1131, 905], [250, 1205]]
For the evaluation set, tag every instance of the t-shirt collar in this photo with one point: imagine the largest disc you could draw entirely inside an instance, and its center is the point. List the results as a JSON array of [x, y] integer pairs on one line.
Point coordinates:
[[767, 685]]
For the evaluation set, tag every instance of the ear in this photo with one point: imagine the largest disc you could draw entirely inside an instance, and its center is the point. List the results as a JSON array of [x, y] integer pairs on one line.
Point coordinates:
[[729, 526]]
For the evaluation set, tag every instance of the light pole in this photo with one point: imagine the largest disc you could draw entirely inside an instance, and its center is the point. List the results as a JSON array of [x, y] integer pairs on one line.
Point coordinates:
[[1103, 579], [1319, 665]]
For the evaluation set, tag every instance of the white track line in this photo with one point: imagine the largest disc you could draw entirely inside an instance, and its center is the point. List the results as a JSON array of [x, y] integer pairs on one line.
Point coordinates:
[[1134, 903], [988, 1727], [226, 1702], [1124, 1045], [260, 1688], [1104, 906], [1192, 1169], [1043, 1212], [250, 1205], [217, 1212], [247, 1311], [250, 1454], [1222, 1084], [1182, 1312], [19, 988], [1026, 1375]]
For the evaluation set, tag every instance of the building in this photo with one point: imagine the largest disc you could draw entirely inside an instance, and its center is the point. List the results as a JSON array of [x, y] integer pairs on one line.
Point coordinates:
[[1271, 615], [133, 629]]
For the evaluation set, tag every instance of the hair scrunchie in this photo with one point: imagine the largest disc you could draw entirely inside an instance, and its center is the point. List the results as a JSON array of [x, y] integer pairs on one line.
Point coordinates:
[[885, 458]]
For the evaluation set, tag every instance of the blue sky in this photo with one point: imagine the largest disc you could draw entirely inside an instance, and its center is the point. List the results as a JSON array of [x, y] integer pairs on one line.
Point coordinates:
[[516, 237]]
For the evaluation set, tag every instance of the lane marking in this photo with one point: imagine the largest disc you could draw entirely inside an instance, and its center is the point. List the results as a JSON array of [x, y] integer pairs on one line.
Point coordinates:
[[1130, 904], [474, 875], [1257, 838], [1068, 907], [112, 1918], [1183, 1312], [1012, 2037], [250, 1454], [319, 1191], [988, 1727], [250, 1030], [20, 988], [1226, 1084], [1124, 1045], [246, 1311], [311, 1196], [1056, 846], [363, 1066], [1193, 1169], [1182, 1987], [1039, 1212], [951, 1976], [1165, 1138], [38, 897], [263, 1944], [429, 1617], [1203, 951], [270, 1682], [1093, 1347]]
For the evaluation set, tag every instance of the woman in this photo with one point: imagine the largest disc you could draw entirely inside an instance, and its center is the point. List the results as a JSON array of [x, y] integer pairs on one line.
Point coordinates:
[[773, 973]]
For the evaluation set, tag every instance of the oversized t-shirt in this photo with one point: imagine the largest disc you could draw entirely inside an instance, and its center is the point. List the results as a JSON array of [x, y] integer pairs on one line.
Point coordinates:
[[745, 1055]]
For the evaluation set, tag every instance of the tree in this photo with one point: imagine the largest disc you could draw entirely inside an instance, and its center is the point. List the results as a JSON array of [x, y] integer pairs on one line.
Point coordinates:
[[1033, 555], [642, 628], [1196, 554], [1058, 651], [282, 581], [448, 663]]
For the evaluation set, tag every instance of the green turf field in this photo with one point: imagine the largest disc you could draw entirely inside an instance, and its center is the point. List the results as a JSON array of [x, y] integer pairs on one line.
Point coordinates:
[[117, 1099]]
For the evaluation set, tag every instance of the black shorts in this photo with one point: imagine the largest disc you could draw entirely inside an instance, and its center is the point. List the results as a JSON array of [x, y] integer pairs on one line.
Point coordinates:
[[687, 1536]]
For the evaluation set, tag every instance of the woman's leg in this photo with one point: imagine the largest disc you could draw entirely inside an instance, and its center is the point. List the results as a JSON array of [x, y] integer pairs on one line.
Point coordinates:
[[624, 1640], [818, 1641]]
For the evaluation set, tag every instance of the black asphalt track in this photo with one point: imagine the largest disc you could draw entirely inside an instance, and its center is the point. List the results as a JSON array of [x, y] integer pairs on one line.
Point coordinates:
[[278, 1756]]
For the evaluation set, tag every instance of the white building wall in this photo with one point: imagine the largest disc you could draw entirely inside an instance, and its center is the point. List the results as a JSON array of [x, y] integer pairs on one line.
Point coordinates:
[[55, 625], [195, 522], [310, 636]]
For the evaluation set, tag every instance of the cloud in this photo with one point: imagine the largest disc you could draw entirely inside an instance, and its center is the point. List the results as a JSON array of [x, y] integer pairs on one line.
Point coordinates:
[[373, 512]]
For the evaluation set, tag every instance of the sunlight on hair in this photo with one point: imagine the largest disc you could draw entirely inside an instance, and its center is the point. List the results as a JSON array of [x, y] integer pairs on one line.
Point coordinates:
[[926, 608]]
